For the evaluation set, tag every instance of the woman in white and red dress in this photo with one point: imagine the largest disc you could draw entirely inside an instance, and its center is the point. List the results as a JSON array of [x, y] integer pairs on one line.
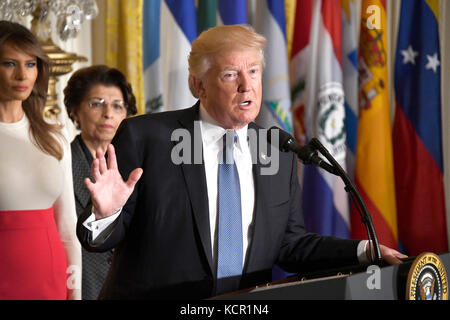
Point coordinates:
[[40, 256]]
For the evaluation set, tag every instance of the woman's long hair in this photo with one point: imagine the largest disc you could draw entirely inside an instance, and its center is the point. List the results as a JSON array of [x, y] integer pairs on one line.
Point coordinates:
[[43, 134]]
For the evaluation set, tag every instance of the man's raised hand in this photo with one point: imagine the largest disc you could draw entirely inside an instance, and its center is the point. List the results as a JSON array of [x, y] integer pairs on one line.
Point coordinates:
[[109, 192]]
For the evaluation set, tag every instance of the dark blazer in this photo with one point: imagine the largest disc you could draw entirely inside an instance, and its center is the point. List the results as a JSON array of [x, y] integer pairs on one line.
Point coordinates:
[[95, 265], [162, 236]]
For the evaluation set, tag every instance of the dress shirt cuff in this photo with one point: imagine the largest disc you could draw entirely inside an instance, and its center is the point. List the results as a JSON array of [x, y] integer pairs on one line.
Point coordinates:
[[98, 226], [361, 252]]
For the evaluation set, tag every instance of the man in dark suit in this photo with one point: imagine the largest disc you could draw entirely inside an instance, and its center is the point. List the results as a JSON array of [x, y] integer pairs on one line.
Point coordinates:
[[171, 222]]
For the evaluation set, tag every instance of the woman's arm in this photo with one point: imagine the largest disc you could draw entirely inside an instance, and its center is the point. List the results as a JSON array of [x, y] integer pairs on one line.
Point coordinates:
[[66, 219]]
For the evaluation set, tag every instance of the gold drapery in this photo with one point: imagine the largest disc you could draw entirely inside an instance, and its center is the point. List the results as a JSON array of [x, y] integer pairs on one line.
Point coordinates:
[[123, 22]]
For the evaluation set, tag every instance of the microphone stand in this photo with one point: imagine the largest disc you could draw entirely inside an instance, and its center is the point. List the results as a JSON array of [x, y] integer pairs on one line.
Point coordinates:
[[356, 198]]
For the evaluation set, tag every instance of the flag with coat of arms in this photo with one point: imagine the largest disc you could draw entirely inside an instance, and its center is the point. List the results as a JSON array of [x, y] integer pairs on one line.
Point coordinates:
[[318, 109]]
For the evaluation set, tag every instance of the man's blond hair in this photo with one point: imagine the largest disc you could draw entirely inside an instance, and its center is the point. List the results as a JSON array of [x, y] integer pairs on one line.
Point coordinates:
[[218, 40]]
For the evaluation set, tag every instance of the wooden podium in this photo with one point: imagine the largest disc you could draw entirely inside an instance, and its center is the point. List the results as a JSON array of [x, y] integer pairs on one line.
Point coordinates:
[[393, 282]]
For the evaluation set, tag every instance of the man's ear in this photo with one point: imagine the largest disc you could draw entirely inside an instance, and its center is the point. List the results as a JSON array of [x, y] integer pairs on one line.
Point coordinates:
[[198, 87]]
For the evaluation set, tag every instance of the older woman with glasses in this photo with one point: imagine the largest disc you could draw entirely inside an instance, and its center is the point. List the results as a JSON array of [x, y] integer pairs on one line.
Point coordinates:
[[97, 99]]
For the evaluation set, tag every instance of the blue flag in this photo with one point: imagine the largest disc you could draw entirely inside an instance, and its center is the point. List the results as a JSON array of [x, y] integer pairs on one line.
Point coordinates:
[[232, 12], [179, 29], [417, 130], [276, 104], [152, 56]]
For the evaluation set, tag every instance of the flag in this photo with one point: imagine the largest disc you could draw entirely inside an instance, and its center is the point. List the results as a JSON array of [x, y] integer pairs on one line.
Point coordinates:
[[276, 100], [206, 14], [221, 12], [152, 56], [374, 172], [232, 12], [179, 29], [417, 130], [325, 202], [298, 69], [350, 78], [289, 8]]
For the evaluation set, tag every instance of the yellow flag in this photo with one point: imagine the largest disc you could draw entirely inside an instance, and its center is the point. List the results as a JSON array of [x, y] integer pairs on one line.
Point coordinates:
[[124, 43], [374, 171]]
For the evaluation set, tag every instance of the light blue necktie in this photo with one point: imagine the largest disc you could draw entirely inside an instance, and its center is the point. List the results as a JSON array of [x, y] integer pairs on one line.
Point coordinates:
[[229, 243]]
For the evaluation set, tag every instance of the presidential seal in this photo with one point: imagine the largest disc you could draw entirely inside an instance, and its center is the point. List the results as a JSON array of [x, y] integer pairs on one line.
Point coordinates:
[[331, 127], [427, 279]]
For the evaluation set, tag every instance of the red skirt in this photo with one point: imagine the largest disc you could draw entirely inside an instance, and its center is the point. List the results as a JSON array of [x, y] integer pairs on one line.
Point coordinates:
[[32, 257]]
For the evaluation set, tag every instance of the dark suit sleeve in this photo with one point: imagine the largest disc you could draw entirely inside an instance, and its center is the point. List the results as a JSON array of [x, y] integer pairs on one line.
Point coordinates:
[[127, 144], [304, 251]]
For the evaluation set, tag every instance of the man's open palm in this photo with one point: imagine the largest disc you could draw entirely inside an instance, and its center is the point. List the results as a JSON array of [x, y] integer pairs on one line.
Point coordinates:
[[109, 192]]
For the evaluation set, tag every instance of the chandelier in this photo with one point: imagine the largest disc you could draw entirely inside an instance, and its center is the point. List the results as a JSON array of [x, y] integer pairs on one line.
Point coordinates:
[[69, 14], [68, 18]]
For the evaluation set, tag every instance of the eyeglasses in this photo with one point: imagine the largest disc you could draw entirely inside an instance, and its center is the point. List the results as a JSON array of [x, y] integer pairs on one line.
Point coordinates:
[[99, 104]]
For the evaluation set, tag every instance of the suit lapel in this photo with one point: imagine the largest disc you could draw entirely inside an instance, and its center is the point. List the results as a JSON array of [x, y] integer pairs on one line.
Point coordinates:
[[261, 183], [195, 178]]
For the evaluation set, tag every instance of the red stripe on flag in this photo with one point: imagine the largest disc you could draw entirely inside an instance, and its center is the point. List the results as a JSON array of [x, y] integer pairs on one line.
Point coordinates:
[[420, 191], [382, 229], [331, 16], [302, 26]]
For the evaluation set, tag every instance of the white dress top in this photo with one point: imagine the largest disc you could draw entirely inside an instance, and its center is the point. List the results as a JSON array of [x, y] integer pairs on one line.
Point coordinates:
[[31, 180]]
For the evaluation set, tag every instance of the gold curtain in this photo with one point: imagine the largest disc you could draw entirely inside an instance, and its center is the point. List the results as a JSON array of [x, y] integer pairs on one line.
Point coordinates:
[[123, 27]]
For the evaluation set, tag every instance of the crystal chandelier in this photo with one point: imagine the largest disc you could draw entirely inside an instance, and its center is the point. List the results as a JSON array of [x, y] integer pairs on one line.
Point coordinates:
[[69, 15]]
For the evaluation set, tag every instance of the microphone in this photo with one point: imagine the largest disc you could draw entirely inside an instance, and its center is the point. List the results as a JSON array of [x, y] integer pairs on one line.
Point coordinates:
[[307, 154]]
